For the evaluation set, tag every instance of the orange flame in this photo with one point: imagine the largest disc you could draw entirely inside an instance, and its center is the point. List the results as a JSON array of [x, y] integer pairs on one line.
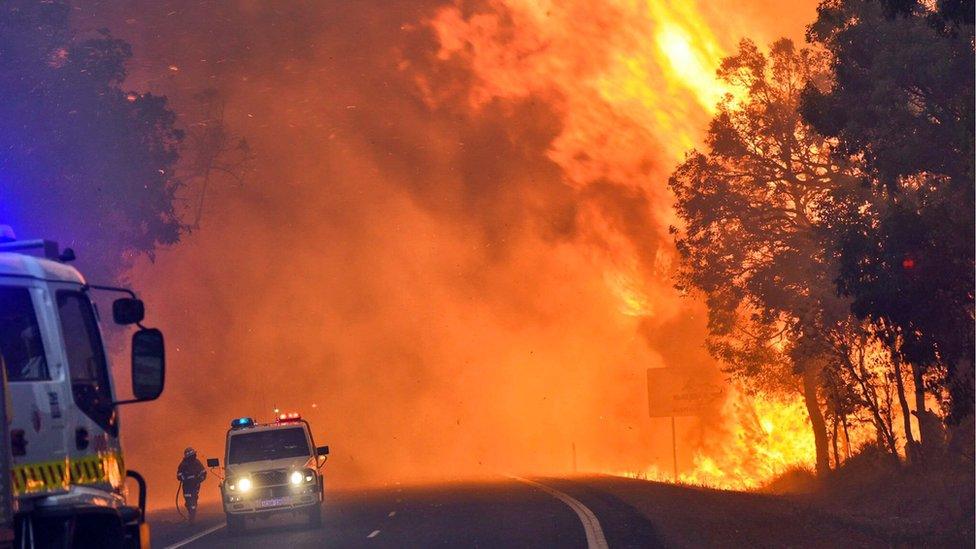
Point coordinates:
[[636, 85]]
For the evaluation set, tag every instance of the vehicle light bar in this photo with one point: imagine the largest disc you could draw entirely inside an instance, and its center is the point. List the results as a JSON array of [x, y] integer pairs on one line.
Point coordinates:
[[48, 247], [7, 234], [241, 423], [290, 416]]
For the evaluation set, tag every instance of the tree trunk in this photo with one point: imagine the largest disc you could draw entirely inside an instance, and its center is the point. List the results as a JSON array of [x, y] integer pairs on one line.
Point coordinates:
[[847, 438], [833, 441], [886, 439], [817, 422], [906, 412], [869, 397], [919, 383], [203, 196]]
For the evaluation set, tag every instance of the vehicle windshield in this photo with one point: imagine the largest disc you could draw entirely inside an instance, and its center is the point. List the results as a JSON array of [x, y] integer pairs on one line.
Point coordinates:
[[271, 444]]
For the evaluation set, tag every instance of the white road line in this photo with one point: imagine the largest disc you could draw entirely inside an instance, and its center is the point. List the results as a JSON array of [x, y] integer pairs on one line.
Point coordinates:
[[594, 533], [391, 513], [195, 537], [373, 534]]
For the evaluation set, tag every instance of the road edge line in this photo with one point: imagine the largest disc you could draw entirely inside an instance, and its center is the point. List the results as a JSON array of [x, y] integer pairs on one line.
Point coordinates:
[[591, 525], [195, 537]]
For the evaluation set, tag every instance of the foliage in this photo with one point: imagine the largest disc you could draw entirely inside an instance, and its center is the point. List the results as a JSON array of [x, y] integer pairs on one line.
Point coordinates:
[[771, 212], [901, 99], [82, 161], [752, 206]]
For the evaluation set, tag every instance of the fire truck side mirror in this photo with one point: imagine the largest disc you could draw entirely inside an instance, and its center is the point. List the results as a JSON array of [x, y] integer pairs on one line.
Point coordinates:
[[128, 310], [148, 364], [213, 462], [322, 451]]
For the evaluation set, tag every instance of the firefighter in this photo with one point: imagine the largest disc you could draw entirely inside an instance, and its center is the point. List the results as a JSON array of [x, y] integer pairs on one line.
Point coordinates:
[[191, 475]]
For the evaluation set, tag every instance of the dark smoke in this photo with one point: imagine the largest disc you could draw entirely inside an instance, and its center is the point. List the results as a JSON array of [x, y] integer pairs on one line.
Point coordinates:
[[413, 274]]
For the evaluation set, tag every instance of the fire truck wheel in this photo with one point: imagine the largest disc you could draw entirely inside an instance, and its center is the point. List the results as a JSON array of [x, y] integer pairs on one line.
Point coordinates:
[[98, 530]]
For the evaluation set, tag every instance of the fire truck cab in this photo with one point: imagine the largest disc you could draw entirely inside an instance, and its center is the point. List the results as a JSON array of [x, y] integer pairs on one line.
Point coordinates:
[[67, 469], [271, 468]]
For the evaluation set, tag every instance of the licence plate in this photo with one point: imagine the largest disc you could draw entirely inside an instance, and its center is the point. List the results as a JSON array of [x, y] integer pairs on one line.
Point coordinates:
[[274, 502]]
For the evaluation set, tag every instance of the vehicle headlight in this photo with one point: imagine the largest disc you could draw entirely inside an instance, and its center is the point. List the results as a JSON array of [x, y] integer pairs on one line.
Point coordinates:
[[296, 477], [244, 484]]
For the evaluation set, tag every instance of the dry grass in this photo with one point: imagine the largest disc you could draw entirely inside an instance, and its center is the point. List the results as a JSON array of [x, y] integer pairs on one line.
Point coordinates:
[[927, 504], [684, 516]]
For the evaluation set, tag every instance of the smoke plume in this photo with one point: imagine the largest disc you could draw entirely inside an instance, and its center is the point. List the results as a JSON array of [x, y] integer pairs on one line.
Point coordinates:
[[452, 256]]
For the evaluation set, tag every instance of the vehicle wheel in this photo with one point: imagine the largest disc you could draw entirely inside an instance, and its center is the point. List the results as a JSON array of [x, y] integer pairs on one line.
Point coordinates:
[[315, 516], [235, 525], [92, 530]]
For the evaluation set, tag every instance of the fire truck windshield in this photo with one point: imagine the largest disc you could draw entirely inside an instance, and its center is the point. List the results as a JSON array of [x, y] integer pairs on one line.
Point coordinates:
[[86, 358], [20, 337], [271, 444]]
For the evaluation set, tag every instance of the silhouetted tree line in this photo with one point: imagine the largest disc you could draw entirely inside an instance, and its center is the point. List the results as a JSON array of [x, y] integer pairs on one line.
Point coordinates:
[[91, 164], [829, 221], [82, 160]]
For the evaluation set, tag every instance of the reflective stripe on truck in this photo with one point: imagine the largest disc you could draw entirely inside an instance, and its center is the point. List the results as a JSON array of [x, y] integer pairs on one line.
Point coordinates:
[[56, 476]]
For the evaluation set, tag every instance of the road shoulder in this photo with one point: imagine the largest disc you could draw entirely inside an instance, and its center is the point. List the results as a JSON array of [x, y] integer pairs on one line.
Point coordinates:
[[685, 516], [623, 525]]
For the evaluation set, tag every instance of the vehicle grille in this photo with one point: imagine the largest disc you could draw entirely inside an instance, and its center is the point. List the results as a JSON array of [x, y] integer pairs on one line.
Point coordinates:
[[270, 478], [281, 491]]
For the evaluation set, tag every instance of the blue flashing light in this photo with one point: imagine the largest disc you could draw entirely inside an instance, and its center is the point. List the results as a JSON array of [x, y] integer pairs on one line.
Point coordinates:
[[7, 234], [241, 423]]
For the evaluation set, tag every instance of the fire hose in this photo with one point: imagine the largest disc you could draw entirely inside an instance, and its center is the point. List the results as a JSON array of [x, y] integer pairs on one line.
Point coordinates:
[[176, 500]]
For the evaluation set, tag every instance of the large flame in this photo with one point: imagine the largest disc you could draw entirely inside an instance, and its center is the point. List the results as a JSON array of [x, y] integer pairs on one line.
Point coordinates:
[[637, 83], [765, 438]]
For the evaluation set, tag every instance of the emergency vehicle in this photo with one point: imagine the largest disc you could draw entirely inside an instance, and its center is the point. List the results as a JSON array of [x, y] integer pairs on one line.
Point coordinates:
[[67, 470], [271, 468], [8, 505]]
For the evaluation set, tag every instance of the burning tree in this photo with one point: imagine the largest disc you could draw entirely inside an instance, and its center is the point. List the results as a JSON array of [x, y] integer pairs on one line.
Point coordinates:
[[901, 98], [212, 149], [752, 239]]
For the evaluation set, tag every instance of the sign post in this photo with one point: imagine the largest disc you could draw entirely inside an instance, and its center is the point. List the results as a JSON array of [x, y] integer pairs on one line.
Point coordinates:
[[674, 451], [675, 392]]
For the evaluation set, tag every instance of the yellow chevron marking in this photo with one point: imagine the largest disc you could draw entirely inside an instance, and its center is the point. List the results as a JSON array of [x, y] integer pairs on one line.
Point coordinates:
[[33, 478]]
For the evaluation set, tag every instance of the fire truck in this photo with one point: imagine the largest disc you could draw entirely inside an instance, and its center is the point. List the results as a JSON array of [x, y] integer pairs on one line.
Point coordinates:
[[8, 505], [66, 472]]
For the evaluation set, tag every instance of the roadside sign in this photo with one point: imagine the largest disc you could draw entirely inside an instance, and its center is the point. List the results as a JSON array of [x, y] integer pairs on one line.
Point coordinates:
[[680, 392]]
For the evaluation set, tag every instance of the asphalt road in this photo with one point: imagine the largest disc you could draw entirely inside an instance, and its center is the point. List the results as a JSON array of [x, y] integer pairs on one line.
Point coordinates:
[[506, 513]]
